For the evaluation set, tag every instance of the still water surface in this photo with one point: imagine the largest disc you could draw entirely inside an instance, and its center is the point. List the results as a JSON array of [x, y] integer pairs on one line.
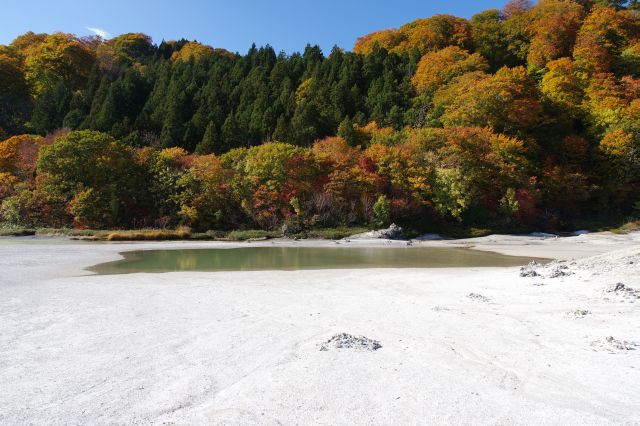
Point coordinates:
[[297, 258]]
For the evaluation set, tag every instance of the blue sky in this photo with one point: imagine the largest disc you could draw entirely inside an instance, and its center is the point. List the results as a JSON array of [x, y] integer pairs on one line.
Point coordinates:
[[233, 24]]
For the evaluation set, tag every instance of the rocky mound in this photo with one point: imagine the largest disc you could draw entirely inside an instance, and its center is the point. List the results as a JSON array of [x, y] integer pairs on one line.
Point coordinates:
[[348, 341], [393, 232], [612, 344], [624, 291], [555, 269], [478, 297]]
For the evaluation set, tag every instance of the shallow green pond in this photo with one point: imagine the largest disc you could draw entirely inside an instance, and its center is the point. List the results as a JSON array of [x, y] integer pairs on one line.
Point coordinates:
[[296, 258]]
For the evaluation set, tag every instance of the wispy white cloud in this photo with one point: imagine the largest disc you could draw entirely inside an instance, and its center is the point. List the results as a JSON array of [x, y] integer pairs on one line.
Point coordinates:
[[99, 32]]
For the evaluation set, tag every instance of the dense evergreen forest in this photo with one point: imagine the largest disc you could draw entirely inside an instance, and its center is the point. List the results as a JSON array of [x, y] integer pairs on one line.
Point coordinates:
[[527, 116]]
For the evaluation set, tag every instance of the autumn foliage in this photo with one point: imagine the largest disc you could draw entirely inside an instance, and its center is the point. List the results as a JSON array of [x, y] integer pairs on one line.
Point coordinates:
[[424, 35], [528, 116]]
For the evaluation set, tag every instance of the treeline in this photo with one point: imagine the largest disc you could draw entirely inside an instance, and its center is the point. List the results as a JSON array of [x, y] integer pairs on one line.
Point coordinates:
[[198, 98], [89, 179], [528, 115]]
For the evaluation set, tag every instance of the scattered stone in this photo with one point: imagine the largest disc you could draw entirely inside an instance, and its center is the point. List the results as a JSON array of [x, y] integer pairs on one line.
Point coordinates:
[[478, 297], [578, 313], [624, 291], [559, 270], [530, 270], [539, 284], [440, 308], [552, 270], [612, 344], [348, 341]]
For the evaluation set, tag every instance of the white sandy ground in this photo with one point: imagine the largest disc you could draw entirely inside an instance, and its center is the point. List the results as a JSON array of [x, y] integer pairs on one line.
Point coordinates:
[[243, 347]]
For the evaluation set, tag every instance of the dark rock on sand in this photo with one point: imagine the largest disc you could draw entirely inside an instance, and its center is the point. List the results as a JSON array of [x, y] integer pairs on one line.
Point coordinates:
[[348, 341]]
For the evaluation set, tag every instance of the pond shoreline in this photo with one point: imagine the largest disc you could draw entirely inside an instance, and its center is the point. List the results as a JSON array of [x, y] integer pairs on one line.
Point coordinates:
[[547, 246], [294, 258]]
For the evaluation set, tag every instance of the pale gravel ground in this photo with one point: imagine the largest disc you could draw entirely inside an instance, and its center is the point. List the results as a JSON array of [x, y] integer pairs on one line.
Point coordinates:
[[242, 347]]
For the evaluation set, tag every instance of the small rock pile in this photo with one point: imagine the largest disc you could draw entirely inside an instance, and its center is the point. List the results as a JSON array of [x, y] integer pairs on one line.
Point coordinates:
[[612, 344], [531, 270], [478, 297], [554, 269], [348, 341], [578, 313], [559, 270], [624, 291]]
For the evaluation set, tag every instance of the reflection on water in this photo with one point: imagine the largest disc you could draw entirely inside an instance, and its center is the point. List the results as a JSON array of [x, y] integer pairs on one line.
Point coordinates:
[[296, 258]]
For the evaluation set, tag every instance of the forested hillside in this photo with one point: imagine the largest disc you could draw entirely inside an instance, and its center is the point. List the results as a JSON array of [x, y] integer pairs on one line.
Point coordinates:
[[526, 116]]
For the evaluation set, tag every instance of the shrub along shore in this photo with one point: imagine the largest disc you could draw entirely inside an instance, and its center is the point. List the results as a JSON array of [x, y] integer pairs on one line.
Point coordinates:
[[177, 234], [185, 233]]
